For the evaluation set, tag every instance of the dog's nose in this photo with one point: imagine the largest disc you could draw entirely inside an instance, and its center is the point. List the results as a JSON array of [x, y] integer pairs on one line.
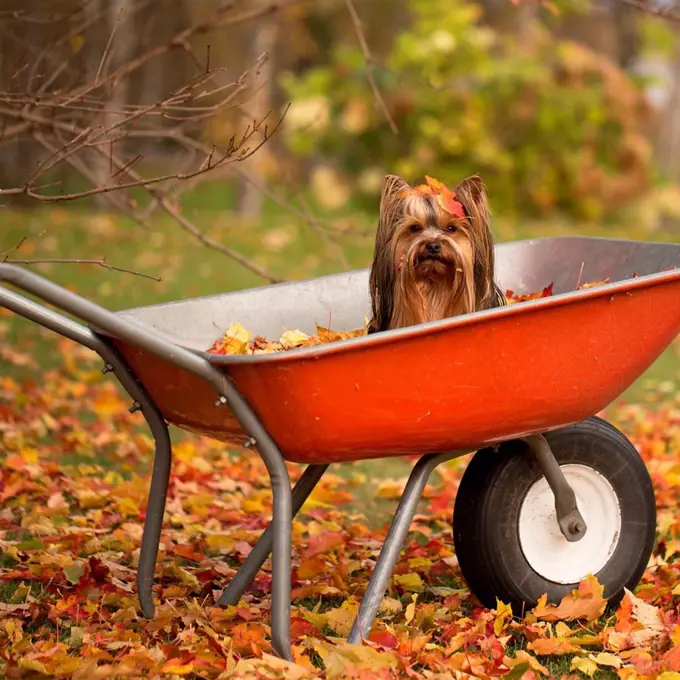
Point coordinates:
[[433, 248]]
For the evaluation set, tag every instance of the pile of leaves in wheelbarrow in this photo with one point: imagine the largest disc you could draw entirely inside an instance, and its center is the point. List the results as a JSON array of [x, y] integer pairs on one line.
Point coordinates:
[[238, 340], [73, 486]]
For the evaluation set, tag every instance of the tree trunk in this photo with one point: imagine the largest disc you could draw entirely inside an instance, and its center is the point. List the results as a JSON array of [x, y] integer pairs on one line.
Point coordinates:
[[116, 21], [668, 140], [249, 198]]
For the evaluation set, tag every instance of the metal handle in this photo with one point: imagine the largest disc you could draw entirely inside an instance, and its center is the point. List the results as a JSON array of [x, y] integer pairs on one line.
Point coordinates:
[[124, 329]]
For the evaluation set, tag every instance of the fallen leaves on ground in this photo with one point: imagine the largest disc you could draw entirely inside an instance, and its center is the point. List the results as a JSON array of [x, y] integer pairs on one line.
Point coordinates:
[[73, 485]]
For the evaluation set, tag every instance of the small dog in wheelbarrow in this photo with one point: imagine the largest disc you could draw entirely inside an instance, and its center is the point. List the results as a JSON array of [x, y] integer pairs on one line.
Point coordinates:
[[434, 254]]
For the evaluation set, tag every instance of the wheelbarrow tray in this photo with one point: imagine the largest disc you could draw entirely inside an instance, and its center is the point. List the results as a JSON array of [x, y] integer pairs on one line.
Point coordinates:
[[458, 384]]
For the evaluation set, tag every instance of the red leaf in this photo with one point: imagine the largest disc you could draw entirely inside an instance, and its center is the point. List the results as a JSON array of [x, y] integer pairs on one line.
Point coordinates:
[[384, 638], [323, 543]]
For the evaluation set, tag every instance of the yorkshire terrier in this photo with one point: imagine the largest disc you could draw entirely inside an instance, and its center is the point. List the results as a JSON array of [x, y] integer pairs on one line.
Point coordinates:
[[434, 254]]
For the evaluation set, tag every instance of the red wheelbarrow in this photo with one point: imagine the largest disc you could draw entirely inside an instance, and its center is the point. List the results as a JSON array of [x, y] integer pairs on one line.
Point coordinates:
[[552, 494]]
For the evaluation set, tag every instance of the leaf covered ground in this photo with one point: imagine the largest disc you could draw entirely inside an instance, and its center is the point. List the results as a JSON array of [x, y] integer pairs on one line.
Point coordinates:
[[73, 487]]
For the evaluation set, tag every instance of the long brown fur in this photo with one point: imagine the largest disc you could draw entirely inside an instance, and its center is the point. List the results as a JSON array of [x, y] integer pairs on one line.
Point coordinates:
[[407, 287]]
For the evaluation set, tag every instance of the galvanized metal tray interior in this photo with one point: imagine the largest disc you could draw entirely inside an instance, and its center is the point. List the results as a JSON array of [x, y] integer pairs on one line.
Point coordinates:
[[342, 300]]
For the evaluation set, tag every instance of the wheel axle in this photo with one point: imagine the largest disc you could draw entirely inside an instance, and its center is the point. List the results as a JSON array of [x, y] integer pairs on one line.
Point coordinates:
[[571, 522]]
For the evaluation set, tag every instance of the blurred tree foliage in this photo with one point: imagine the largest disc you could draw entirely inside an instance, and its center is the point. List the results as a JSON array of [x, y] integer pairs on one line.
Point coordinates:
[[548, 123]]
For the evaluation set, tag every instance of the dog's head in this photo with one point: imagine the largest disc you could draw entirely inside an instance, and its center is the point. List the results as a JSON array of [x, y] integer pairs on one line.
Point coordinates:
[[433, 253]]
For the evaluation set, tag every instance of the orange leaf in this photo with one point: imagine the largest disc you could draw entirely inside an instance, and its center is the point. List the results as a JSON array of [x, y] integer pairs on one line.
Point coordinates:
[[549, 646], [436, 186], [311, 567], [586, 602], [447, 202], [323, 543]]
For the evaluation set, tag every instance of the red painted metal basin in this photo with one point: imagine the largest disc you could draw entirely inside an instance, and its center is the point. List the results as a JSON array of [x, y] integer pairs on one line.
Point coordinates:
[[462, 383]]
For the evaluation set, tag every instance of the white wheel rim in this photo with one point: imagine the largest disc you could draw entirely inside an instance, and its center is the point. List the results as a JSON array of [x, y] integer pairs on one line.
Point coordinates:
[[545, 548]]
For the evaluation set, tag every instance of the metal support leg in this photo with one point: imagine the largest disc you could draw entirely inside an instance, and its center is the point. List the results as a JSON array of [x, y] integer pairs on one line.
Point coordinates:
[[155, 508], [282, 517], [141, 336], [262, 549], [571, 522], [394, 541], [162, 459]]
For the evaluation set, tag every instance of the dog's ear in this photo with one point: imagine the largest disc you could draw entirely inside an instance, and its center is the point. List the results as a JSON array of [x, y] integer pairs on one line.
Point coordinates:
[[471, 192], [393, 187], [382, 269]]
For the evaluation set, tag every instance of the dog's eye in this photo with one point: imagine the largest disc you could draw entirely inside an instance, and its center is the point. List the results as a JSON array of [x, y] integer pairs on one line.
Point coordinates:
[[451, 228], [415, 228]]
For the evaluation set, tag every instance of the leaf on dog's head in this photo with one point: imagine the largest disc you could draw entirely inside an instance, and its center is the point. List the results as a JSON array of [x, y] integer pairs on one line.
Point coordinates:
[[447, 201]]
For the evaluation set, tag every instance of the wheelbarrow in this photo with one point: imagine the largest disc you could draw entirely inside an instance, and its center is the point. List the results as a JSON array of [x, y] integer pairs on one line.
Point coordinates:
[[552, 494]]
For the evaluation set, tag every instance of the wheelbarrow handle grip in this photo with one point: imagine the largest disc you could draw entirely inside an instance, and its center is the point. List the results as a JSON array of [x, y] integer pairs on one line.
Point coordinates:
[[107, 321]]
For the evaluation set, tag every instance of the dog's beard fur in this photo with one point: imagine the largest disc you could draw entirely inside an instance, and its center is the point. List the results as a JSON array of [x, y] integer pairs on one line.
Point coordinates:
[[410, 285]]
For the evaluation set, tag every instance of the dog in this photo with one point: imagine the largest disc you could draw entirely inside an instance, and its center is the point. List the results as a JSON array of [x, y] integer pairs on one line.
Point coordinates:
[[434, 254]]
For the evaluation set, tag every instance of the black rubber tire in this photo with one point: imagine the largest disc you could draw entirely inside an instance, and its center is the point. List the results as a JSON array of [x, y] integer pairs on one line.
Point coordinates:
[[486, 515]]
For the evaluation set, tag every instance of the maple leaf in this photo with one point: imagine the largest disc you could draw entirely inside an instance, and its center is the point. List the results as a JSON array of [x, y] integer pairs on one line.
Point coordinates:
[[586, 602], [435, 185], [447, 201]]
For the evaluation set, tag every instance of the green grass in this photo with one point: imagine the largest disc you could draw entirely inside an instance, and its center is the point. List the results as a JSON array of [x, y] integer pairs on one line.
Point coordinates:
[[279, 241]]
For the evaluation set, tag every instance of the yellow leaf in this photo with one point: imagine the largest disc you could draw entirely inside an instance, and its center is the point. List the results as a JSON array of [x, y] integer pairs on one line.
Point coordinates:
[[503, 612], [128, 508], [318, 620], [188, 579], [293, 338], [29, 455], [253, 504], [522, 657], [76, 43], [410, 582], [606, 659], [342, 659], [33, 665], [390, 489], [340, 620], [235, 340], [587, 666], [411, 609], [420, 564], [178, 668], [562, 629], [219, 541]]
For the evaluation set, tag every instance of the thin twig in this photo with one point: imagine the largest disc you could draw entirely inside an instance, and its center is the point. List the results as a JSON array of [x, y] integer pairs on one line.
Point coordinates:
[[370, 65], [309, 219], [192, 229], [100, 263], [107, 49], [668, 13]]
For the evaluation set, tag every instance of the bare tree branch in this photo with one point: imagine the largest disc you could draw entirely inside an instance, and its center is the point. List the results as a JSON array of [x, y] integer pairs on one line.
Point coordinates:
[[370, 65], [52, 100], [100, 263], [666, 12]]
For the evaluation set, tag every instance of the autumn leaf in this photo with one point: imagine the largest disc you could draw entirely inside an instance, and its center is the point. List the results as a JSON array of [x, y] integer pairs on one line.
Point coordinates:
[[586, 602], [587, 666], [448, 202], [503, 613], [70, 537]]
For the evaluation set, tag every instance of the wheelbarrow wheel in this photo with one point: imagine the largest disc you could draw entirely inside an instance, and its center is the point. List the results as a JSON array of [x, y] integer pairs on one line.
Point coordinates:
[[505, 530]]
